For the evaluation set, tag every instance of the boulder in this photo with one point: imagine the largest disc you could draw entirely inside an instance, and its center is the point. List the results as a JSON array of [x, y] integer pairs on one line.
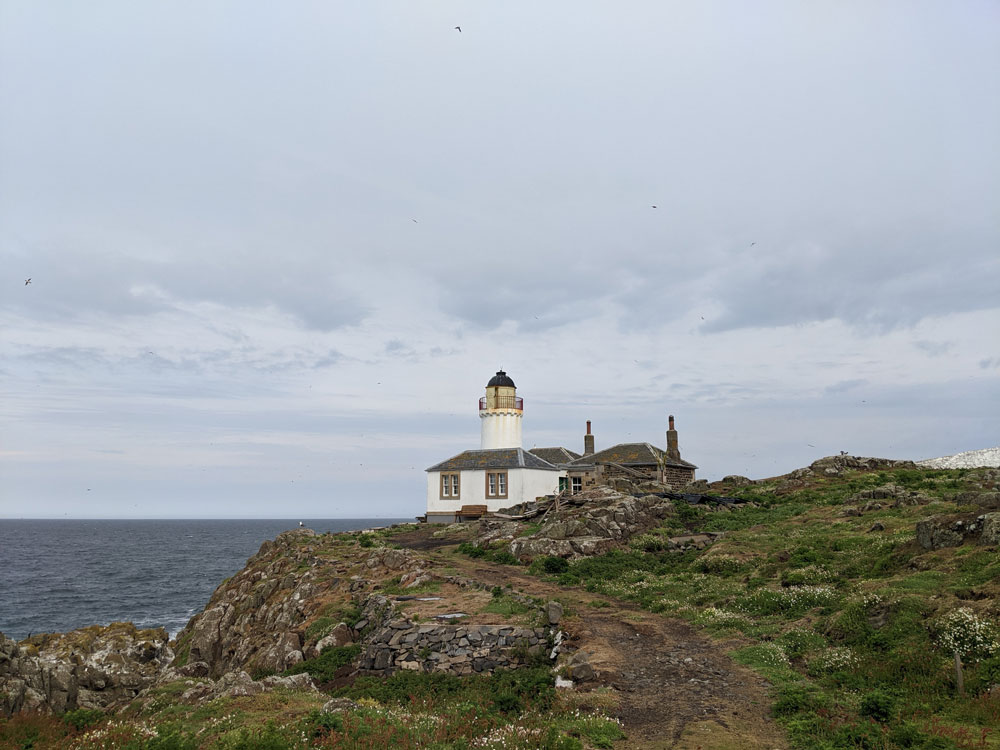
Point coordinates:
[[339, 636], [954, 530], [553, 612], [579, 668]]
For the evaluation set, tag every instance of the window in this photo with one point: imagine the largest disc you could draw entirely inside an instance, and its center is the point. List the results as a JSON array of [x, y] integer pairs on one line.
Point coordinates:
[[450, 485], [562, 484], [496, 484], [577, 484]]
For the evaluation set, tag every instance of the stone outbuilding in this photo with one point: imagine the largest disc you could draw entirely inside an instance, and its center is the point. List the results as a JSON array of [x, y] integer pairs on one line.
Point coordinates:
[[632, 461]]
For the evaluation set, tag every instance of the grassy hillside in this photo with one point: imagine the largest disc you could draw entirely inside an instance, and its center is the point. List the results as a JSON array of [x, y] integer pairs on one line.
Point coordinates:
[[854, 624]]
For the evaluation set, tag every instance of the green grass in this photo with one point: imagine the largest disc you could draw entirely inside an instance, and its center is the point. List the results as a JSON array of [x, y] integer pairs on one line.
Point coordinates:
[[840, 620]]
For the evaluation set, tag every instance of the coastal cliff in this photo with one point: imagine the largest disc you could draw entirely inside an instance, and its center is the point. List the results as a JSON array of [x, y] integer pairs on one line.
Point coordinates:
[[728, 612]]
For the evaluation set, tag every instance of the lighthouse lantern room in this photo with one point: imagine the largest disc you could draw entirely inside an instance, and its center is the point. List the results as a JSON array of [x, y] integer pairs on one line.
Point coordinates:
[[500, 414]]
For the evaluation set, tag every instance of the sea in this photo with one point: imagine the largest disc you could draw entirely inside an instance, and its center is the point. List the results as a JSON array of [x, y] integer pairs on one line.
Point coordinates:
[[59, 575]]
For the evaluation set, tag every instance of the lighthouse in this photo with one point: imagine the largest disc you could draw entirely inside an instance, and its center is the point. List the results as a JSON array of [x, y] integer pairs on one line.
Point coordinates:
[[500, 414]]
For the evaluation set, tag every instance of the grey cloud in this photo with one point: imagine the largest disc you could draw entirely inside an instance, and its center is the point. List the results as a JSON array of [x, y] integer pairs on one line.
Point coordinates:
[[897, 284], [69, 284], [845, 385], [934, 348]]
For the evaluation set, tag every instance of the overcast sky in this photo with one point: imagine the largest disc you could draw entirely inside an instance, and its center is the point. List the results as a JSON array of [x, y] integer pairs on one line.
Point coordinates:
[[276, 250]]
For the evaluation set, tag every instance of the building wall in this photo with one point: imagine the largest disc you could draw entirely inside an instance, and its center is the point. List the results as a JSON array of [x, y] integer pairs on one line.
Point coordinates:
[[522, 485], [676, 477], [500, 428], [650, 472]]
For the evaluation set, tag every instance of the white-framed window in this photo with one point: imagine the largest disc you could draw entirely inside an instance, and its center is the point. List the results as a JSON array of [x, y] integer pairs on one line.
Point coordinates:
[[496, 484], [450, 485], [577, 484]]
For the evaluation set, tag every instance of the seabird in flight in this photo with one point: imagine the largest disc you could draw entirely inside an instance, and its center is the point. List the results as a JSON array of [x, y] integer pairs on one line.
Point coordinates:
[[459, 29], [27, 281]]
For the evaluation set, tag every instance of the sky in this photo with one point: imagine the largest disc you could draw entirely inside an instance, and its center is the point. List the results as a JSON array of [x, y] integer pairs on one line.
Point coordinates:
[[276, 250]]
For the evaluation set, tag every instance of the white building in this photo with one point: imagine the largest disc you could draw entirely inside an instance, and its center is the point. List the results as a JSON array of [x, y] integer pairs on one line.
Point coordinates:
[[498, 475]]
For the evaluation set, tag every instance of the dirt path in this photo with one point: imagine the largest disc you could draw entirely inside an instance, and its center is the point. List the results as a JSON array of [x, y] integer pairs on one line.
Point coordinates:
[[678, 689]]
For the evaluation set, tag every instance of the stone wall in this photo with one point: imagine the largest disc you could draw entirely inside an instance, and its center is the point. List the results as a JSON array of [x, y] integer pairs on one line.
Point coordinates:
[[676, 477], [459, 649]]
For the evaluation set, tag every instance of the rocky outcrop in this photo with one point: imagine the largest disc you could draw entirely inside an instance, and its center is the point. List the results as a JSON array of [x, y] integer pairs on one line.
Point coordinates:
[[837, 465], [954, 530], [95, 667], [599, 519], [257, 620], [891, 495], [985, 500], [591, 522]]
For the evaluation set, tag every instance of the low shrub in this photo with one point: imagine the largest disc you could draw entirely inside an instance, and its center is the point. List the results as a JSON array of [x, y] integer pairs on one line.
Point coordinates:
[[324, 667], [554, 565], [878, 705], [83, 718]]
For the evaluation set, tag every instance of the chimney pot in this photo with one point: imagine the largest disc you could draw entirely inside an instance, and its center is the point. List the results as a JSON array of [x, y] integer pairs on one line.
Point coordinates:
[[588, 442]]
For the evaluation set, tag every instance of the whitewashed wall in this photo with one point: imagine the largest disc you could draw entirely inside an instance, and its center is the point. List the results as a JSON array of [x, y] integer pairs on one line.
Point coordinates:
[[522, 485], [500, 429]]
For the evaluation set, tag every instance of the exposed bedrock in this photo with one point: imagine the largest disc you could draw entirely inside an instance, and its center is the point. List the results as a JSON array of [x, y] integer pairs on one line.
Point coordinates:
[[93, 667]]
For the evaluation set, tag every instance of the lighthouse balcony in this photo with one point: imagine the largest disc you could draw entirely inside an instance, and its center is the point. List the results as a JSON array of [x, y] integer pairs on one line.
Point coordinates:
[[501, 402]]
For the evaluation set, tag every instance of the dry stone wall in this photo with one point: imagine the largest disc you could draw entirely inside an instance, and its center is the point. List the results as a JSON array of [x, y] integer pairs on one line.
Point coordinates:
[[459, 649]]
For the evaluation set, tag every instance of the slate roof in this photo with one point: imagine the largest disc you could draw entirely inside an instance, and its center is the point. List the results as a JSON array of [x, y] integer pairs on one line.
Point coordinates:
[[555, 456], [494, 458], [631, 454]]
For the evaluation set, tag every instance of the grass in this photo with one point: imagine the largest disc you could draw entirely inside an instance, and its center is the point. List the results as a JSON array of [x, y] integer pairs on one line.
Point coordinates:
[[839, 619], [516, 709]]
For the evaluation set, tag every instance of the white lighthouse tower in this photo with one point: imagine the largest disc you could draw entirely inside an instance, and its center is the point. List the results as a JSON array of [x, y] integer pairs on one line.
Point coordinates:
[[500, 414]]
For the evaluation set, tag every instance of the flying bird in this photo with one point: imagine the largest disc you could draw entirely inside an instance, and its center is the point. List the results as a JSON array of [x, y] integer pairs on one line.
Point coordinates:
[[27, 281], [652, 206], [459, 29], [752, 244]]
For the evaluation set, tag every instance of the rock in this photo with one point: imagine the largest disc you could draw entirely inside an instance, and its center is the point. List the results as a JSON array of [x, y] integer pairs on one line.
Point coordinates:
[[339, 636], [836, 465], [737, 480], [553, 612], [393, 559], [877, 526], [237, 684], [194, 669], [95, 667], [336, 705], [579, 667], [991, 529], [954, 530], [301, 681], [986, 500]]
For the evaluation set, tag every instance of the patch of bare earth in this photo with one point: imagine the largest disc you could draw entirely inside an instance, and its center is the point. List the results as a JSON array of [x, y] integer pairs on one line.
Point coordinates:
[[676, 688]]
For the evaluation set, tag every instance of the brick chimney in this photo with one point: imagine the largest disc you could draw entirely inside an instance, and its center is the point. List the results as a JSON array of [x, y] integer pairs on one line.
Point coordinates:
[[588, 442], [672, 450]]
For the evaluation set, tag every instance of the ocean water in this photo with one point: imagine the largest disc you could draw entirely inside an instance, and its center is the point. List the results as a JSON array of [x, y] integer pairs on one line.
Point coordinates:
[[59, 575]]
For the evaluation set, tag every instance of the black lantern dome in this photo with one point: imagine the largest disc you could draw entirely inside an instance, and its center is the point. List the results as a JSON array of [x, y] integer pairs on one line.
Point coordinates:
[[501, 379]]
